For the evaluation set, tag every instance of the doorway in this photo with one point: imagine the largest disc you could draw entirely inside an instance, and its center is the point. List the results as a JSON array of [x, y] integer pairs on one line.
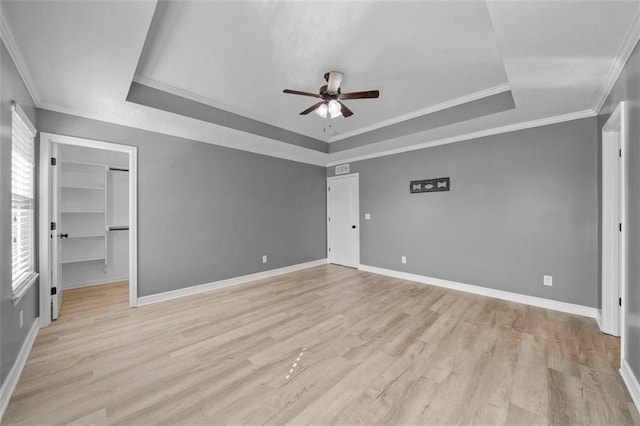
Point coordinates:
[[343, 220], [614, 246], [88, 218]]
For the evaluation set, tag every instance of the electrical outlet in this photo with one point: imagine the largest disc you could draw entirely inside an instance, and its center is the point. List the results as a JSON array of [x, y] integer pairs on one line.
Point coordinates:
[[547, 280], [403, 259], [367, 216], [21, 318], [264, 259]]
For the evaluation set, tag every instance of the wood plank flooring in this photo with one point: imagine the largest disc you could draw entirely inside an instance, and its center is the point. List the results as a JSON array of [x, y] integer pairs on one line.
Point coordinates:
[[323, 345]]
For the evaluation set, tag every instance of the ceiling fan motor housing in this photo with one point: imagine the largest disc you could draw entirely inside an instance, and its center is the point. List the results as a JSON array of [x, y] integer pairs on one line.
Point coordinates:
[[326, 95], [333, 99]]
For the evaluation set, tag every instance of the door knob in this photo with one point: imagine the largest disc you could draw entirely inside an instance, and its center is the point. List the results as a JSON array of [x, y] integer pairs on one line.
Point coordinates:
[[64, 235], [353, 226]]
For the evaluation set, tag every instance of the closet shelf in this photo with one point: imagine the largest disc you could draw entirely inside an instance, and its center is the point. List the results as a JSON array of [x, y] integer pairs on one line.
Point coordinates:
[[93, 188], [82, 212], [90, 259], [87, 165], [87, 236]]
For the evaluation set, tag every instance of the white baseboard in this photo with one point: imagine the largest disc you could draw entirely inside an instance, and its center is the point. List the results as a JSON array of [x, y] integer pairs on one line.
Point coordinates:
[[631, 381], [9, 385], [188, 291], [94, 283], [570, 308], [599, 319]]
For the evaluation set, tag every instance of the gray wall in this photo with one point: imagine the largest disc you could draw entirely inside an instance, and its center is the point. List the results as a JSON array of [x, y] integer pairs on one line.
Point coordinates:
[[207, 213], [522, 205], [11, 335], [627, 88]]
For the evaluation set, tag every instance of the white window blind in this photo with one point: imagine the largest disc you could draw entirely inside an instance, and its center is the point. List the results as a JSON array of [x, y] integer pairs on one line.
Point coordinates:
[[22, 199]]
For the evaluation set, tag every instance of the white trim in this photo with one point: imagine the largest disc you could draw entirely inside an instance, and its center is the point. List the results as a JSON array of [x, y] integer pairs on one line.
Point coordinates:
[[133, 228], [10, 382], [624, 52], [468, 136], [554, 305], [44, 200], [296, 153], [614, 242], [45, 154], [173, 90], [24, 288], [95, 283], [18, 60], [311, 158], [599, 319], [631, 381], [229, 108], [624, 142], [425, 111], [24, 117], [244, 279]]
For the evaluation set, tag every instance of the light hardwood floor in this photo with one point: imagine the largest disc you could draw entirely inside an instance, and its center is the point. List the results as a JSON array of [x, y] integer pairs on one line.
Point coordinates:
[[323, 345]]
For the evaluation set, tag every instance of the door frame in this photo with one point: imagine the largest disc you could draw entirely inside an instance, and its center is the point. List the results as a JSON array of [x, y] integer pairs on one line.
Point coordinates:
[[44, 212], [614, 242], [357, 179]]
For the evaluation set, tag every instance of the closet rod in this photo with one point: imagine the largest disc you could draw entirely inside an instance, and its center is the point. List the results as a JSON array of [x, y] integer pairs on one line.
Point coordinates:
[[118, 228], [118, 169]]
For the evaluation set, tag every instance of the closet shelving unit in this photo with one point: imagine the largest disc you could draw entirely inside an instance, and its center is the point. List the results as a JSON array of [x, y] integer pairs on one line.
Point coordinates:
[[83, 189]]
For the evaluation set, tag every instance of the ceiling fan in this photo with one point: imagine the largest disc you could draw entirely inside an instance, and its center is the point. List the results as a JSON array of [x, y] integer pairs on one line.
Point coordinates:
[[331, 96]]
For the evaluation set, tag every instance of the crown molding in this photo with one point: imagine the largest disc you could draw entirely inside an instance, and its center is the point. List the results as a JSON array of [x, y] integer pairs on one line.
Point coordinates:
[[315, 161], [626, 49], [146, 81], [468, 136], [631, 39], [173, 90], [18, 60], [255, 144], [425, 111]]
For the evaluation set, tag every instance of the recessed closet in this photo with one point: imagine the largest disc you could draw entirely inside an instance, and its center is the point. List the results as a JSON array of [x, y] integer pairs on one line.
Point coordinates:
[[93, 216]]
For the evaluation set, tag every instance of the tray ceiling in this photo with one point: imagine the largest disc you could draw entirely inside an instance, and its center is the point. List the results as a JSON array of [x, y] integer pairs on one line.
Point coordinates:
[[239, 56], [429, 59]]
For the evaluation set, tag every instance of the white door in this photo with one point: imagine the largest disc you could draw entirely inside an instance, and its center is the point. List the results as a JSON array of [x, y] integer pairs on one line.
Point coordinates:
[[56, 234], [614, 137], [343, 220], [621, 248]]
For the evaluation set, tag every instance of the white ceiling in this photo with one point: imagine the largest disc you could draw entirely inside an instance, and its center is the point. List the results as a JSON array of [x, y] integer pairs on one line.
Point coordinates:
[[78, 54], [81, 57], [239, 56]]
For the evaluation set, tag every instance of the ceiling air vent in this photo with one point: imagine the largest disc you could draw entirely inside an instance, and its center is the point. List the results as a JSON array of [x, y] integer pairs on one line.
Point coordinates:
[[342, 169]]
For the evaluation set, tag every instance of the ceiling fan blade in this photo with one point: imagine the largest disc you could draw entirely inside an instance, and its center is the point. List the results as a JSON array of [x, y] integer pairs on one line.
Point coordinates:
[[361, 95], [298, 92], [311, 108], [346, 112], [335, 80]]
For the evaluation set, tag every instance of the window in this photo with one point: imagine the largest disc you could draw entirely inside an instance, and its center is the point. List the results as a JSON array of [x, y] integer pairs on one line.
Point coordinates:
[[22, 202]]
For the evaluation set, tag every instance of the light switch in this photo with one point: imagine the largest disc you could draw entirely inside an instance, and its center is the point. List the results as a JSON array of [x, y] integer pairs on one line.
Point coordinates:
[[367, 216]]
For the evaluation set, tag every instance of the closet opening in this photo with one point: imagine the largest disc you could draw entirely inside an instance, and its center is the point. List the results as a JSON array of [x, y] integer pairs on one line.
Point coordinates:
[[87, 224]]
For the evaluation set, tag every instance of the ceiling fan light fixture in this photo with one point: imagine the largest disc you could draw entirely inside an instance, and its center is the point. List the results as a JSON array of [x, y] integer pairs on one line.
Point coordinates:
[[334, 107], [330, 96], [322, 110]]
